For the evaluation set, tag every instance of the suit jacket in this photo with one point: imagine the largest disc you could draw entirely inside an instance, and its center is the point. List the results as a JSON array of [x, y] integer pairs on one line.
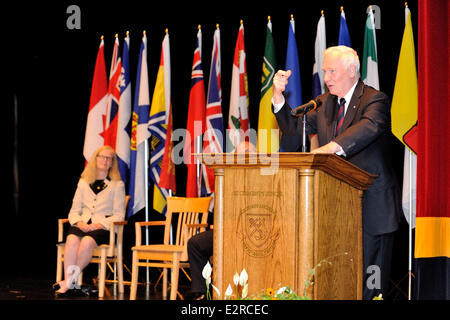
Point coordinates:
[[105, 207], [365, 139]]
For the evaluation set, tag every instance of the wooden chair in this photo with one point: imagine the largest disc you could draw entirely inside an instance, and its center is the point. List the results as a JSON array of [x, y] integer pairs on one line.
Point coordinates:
[[189, 212], [103, 254]]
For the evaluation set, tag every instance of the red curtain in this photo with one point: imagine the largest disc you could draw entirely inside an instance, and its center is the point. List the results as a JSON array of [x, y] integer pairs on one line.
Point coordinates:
[[433, 162]]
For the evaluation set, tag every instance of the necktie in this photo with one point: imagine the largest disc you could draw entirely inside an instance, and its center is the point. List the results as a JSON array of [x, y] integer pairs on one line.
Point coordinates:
[[340, 116]]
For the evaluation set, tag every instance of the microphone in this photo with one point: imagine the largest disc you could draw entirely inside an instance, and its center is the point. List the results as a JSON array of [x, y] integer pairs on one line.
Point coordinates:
[[311, 105]]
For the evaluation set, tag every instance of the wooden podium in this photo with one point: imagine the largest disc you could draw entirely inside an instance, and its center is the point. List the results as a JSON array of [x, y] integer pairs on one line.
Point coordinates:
[[280, 215]]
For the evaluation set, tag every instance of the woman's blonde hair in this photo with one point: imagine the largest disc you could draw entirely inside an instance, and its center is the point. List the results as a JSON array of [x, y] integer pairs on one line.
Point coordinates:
[[89, 173]]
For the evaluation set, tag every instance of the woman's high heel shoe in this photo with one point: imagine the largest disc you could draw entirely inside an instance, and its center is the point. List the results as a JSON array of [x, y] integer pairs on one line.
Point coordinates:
[[56, 287], [68, 293]]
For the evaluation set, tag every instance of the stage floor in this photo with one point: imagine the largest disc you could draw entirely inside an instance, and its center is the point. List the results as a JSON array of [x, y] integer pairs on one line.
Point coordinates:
[[38, 287]]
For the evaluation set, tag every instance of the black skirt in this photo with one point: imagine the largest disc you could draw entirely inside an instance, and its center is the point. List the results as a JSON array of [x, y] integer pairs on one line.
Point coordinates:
[[101, 236]]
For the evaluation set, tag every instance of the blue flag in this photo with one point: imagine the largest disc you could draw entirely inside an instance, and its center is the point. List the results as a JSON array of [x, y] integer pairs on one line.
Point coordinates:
[[344, 36], [124, 115], [293, 92], [139, 134]]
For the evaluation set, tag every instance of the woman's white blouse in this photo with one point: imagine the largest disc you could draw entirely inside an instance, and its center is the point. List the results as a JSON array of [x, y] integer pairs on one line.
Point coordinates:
[[105, 207]]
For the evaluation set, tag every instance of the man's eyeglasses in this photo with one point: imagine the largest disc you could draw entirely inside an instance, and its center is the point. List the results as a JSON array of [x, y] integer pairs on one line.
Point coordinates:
[[104, 158]]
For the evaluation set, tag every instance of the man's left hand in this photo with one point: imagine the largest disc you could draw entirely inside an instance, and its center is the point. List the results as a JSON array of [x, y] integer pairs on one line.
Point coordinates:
[[331, 147]]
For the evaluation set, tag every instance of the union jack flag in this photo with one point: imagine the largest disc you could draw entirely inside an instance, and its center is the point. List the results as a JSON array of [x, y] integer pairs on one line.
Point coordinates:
[[213, 140], [112, 109]]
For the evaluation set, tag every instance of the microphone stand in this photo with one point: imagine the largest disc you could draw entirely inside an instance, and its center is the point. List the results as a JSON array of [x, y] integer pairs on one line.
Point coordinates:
[[304, 132], [312, 105]]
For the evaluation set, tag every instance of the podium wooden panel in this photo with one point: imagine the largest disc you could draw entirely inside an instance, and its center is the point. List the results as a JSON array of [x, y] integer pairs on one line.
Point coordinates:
[[280, 215]]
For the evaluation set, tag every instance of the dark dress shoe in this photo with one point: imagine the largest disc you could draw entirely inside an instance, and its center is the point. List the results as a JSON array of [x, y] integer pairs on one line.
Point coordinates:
[[83, 291]]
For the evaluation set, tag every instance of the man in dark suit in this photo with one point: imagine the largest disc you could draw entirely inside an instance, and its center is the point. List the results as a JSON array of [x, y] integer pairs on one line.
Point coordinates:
[[354, 121]]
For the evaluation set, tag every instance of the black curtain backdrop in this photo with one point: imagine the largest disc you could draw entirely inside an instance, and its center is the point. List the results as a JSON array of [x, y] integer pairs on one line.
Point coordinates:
[[50, 68]]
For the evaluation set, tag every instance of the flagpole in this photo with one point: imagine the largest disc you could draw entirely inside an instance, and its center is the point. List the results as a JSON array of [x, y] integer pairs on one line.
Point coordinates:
[[199, 187], [146, 195], [146, 201], [171, 226], [199, 141], [410, 224], [410, 209]]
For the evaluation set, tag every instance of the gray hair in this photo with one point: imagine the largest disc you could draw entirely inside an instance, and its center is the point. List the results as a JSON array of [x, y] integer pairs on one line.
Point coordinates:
[[348, 55]]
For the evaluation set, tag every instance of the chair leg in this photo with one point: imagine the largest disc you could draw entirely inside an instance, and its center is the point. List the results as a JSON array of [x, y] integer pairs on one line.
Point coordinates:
[[175, 275], [101, 284], [134, 276], [59, 264], [120, 274], [164, 295]]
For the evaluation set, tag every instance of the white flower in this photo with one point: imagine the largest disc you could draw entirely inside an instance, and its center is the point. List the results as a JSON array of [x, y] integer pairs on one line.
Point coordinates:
[[243, 277], [245, 291], [229, 291], [216, 289], [283, 289], [236, 279], [206, 273]]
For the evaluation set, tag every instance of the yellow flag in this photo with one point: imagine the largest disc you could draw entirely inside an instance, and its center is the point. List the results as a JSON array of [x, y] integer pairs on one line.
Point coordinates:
[[404, 100], [268, 139], [158, 124]]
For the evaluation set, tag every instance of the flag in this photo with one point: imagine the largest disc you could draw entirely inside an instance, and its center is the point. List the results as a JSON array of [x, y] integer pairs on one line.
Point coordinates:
[[344, 36], [112, 108], [293, 92], [213, 140], [139, 134], [404, 114], [319, 47], [370, 60], [238, 115], [97, 106], [124, 115], [268, 140], [196, 123], [158, 124], [167, 176]]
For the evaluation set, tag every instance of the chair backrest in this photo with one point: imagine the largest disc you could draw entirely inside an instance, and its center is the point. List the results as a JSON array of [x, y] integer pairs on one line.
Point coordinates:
[[188, 211]]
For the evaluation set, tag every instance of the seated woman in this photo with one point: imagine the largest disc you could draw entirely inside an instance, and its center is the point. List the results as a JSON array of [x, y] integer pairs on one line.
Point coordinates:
[[98, 201]]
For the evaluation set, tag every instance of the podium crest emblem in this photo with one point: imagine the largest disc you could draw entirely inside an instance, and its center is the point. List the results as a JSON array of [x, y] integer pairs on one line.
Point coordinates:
[[257, 230]]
